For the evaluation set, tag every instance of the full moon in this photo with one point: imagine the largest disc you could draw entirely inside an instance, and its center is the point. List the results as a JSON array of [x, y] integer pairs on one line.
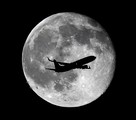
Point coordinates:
[[68, 37]]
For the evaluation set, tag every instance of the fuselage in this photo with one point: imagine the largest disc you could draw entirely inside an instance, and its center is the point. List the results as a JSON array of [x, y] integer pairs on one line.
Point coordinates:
[[76, 64]]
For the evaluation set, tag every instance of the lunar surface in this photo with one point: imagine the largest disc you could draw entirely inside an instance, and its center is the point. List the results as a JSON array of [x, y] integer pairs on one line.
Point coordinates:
[[68, 37]]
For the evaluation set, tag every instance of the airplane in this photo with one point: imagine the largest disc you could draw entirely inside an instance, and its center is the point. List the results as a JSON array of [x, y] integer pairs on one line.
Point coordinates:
[[63, 67]]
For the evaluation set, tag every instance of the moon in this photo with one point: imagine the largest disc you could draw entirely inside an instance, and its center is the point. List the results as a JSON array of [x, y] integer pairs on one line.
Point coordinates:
[[67, 37]]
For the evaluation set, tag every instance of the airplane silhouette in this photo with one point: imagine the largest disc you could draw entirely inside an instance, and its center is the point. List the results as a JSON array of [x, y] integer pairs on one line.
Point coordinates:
[[63, 67]]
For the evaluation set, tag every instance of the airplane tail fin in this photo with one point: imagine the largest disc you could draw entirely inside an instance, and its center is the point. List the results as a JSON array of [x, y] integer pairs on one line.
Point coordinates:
[[50, 59]]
